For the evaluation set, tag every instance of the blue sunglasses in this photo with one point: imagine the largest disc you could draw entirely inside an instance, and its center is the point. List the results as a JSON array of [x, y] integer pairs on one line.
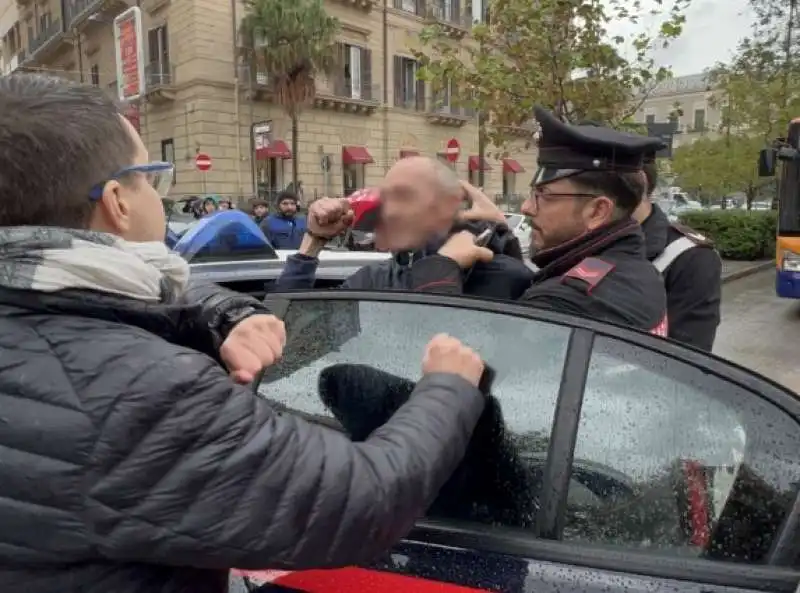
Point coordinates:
[[159, 175]]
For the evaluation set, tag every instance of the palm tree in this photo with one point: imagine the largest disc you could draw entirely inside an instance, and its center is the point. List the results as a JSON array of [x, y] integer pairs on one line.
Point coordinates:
[[292, 41]]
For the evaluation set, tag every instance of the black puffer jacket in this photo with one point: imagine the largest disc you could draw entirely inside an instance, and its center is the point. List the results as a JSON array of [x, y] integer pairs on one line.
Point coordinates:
[[130, 463]]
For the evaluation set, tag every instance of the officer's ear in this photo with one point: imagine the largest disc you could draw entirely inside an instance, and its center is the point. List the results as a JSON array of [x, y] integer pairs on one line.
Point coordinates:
[[598, 211]]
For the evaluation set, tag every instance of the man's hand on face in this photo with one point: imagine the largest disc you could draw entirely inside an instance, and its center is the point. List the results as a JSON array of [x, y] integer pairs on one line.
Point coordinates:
[[461, 248], [329, 217], [254, 343], [483, 208]]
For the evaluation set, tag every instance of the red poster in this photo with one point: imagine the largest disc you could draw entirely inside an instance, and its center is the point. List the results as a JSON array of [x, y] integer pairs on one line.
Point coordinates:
[[129, 57]]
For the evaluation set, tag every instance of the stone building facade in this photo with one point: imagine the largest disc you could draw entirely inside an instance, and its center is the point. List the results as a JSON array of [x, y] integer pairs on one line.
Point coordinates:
[[203, 98], [687, 100]]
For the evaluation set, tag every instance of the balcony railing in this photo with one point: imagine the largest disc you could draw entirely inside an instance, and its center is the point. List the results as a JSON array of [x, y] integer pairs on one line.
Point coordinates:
[[343, 87], [437, 106], [54, 29], [447, 13], [159, 75], [411, 6], [77, 10]]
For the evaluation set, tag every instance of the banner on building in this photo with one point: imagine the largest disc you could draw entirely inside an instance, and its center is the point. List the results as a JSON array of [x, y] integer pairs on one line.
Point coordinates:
[[129, 47]]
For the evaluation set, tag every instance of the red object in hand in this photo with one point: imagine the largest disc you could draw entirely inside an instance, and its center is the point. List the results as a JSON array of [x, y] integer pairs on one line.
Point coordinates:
[[366, 209]]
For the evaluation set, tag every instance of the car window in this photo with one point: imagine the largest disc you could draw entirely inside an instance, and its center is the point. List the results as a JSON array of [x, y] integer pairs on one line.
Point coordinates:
[[678, 461], [352, 363]]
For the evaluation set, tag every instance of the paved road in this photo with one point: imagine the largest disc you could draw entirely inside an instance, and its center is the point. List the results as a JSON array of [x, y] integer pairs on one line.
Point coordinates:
[[759, 330]]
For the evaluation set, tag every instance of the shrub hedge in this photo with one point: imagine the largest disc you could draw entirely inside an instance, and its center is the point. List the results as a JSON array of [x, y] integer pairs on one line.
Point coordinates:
[[737, 234]]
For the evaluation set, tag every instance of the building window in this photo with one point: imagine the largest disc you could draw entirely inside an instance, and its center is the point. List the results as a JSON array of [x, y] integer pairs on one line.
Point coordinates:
[[12, 40], [44, 22], [95, 75], [699, 120], [168, 154], [409, 92], [355, 77], [478, 10], [650, 118], [159, 71]]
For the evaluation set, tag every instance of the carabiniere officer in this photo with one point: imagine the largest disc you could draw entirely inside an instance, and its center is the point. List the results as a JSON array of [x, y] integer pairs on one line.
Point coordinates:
[[691, 267], [589, 250]]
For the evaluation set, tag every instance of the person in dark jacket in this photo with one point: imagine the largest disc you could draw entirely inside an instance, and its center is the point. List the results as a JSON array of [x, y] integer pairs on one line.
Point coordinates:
[[285, 228], [420, 204], [260, 211], [589, 250], [130, 461], [691, 267]]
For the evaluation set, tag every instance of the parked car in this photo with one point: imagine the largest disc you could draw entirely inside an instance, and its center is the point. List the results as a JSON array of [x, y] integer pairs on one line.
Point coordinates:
[[609, 461]]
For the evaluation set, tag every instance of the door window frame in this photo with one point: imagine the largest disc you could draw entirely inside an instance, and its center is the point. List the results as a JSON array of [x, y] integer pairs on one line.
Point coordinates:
[[544, 542]]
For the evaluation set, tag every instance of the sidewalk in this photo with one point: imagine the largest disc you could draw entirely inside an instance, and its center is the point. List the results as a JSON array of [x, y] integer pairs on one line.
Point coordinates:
[[733, 270]]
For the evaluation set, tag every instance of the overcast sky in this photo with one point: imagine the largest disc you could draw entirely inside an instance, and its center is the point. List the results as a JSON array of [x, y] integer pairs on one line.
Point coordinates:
[[712, 32]]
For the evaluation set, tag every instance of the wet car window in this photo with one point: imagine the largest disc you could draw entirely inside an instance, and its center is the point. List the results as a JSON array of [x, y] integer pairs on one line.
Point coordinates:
[[678, 461], [351, 364]]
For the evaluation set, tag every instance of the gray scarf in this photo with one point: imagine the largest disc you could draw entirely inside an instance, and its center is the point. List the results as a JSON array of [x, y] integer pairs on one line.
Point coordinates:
[[50, 259]]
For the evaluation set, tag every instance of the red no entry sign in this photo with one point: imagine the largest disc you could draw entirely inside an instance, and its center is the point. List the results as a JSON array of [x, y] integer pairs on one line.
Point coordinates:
[[203, 162], [452, 151]]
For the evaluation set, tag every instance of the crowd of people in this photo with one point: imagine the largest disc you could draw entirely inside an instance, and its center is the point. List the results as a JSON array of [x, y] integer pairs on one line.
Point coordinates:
[[134, 455]]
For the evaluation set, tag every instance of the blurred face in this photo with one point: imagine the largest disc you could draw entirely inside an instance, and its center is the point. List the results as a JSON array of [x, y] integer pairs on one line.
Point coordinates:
[[131, 207], [224, 206], [413, 211], [260, 210], [209, 206], [288, 207], [561, 211]]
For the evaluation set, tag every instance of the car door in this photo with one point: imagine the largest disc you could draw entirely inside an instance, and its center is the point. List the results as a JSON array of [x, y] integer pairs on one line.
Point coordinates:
[[607, 459]]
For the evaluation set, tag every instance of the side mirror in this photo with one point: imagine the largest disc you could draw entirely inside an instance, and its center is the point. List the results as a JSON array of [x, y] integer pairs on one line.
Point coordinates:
[[766, 162]]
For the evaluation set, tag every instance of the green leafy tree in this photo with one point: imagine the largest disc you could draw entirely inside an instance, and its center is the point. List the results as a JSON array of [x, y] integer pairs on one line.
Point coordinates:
[[719, 167], [758, 91], [292, 42], [556, 53]]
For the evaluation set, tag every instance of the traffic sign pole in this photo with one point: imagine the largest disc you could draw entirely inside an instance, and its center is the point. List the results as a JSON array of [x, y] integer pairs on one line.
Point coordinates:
[[202, 163]]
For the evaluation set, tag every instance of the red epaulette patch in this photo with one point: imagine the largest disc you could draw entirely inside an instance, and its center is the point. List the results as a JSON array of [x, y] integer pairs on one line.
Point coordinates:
[[591, 271], [662, 329]]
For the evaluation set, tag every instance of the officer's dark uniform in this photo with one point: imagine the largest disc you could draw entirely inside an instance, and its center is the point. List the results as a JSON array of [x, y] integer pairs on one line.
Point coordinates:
[[692, 271], [603, 274]]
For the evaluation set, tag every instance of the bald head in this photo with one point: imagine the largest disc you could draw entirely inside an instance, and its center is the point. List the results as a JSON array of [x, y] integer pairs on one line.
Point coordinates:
[[436, 173], [421, 197]]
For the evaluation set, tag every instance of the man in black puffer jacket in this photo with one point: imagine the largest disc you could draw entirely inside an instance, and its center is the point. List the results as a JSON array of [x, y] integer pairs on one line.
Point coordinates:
[[130, 461]]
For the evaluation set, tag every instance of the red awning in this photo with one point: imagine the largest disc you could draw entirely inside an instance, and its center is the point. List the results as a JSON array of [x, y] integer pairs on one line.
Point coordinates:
[[407, 153], [475, 164], [356, 155], [277, 149], [512, 166]]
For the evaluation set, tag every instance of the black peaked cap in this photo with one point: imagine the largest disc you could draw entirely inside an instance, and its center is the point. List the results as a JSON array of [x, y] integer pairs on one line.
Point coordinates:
[[566, 149]]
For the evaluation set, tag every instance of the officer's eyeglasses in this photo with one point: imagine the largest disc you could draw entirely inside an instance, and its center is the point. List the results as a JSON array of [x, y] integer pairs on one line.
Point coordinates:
[[537, 196], [158, 174]]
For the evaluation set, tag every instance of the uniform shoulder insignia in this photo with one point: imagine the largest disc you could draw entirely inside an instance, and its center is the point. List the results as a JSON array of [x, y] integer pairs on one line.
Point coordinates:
[[692, 235], [590, 272]]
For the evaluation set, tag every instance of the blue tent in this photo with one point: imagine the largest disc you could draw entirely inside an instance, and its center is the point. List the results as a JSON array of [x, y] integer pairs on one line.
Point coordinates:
[[226, 235]]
